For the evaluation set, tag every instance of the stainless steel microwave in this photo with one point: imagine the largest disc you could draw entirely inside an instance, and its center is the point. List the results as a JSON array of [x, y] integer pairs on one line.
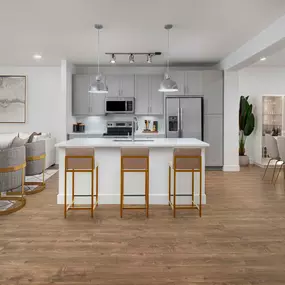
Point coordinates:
[[119, 105]]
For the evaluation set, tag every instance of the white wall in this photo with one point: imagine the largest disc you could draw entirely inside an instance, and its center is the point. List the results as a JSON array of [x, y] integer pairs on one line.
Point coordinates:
[[45, 109], [231, 129], [256, 82]]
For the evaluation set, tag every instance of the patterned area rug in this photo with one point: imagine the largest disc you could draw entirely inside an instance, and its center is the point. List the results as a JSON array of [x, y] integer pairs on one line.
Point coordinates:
[[36, 178]]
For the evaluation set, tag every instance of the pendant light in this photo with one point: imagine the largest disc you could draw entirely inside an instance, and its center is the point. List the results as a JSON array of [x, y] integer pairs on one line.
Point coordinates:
[[99, 85], [168, 85]]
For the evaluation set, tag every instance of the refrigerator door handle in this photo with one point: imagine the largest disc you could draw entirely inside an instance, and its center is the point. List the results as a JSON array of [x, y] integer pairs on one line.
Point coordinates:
[[179, 126], [181, 120]]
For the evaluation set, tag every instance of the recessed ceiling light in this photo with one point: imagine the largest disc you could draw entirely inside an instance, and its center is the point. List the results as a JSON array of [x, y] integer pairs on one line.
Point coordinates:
[[37, 56], [263, 58]]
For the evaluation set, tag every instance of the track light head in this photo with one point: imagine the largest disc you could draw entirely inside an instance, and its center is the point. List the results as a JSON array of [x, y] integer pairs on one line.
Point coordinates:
[[131, 58], [113, 59], [149, 58]]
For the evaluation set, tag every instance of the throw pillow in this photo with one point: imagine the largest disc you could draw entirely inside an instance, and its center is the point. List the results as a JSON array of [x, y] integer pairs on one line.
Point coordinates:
[[6, 140], [31, 137], [17, 142]]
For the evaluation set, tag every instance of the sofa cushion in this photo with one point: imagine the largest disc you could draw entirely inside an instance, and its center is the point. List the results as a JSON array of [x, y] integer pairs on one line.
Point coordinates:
[[6, 140]]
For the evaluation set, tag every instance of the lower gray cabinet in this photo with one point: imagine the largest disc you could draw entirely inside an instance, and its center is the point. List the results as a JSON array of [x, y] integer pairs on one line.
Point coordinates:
[[213, 134]]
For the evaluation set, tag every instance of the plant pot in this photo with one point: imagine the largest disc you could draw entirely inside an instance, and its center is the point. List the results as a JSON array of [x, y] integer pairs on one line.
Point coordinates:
[[243, 160]]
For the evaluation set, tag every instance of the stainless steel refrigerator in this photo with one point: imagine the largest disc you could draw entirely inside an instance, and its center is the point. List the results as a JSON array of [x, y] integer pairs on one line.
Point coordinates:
[[184, 117]]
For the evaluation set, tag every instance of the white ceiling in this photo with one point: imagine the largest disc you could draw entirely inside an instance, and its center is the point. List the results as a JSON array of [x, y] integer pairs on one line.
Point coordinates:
[[204, 30]]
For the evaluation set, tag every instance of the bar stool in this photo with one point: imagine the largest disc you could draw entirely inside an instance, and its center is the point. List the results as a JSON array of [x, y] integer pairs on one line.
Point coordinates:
[[135, 160], [185, 160], [76, 161]]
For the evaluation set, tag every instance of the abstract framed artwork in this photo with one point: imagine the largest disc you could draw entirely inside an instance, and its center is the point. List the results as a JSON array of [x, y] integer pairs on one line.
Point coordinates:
[[13, 94]]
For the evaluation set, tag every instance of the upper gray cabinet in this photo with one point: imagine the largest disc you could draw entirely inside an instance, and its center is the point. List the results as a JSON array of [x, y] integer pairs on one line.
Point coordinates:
[[193, 83], [188, 82], [149, 101], [83, 102], [80, 95], [155, 97], [213, 91], [121, 85]]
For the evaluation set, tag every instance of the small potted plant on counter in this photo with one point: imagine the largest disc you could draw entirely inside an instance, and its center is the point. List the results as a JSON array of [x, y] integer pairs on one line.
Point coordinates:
[[246, 127]]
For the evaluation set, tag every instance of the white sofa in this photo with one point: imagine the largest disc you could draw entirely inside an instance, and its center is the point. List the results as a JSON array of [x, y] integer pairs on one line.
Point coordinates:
[[6, 140]]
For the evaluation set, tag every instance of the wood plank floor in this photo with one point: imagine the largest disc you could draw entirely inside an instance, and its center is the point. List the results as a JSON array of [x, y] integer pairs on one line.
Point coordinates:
[[240, 239]]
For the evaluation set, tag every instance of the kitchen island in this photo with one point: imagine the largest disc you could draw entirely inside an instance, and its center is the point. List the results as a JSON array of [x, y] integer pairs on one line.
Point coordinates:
[[107, 155]]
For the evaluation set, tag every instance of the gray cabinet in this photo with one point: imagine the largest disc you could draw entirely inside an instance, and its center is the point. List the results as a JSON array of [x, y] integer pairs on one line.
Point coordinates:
[[156, 101], [121, 85], [80, 95], [149, 101], [213, 91], [213, 134], [193, 82], [97, 104], [83, 102], [141, 95]]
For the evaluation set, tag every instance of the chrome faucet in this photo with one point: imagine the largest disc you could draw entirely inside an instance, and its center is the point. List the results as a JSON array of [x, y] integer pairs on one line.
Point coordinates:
[[134, 127]]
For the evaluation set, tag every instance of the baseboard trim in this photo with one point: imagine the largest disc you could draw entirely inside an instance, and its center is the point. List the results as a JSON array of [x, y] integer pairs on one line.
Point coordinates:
[[114, 199], [231, 168]]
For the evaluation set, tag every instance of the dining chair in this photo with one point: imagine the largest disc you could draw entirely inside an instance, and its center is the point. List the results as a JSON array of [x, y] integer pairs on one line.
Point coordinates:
[[281, 149], [273, 152]]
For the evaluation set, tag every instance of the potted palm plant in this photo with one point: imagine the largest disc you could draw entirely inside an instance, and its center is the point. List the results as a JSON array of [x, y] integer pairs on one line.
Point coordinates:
[[246, 127]]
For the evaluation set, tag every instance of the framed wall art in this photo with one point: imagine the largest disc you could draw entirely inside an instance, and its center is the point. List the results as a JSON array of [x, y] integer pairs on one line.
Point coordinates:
[[13, 94]]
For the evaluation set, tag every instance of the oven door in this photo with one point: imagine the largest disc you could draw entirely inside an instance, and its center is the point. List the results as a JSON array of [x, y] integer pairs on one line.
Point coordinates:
[[119, 105]]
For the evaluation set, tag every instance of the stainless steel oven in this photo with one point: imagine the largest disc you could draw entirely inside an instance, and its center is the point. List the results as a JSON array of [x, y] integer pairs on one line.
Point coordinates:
[[119, 105]]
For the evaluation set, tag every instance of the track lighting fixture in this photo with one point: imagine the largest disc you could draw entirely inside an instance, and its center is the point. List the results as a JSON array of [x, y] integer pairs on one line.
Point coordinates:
[[132, 58], [149, 56], [113, 59]]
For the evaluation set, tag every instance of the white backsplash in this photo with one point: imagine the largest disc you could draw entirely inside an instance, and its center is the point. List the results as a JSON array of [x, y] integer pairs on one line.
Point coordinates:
[[98, 123]]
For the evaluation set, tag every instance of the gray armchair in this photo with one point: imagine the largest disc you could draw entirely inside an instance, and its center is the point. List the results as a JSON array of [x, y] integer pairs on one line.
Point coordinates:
[[35, 156], [12, 177]]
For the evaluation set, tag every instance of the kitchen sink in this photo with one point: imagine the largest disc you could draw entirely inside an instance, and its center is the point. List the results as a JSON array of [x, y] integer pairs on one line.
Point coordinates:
[[136, 140]]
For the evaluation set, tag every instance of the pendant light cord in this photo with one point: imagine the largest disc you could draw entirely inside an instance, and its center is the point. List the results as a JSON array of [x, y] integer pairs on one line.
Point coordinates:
[[167, 70], [98, 57]]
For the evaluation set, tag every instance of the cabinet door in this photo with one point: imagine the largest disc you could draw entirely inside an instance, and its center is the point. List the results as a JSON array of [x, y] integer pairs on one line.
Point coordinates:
[[213, 91], [194, 82], [127, 86], [214, 136], [114, 85], [142, 94], [97, 104], [156, 103], [178, 76], [80, 95]]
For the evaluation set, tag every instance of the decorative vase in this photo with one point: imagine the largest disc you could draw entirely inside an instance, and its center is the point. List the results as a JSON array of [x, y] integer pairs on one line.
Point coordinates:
[[243, 160]]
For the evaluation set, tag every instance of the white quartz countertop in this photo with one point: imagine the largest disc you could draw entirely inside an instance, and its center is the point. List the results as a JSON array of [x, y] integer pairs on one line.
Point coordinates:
[[152, 143]]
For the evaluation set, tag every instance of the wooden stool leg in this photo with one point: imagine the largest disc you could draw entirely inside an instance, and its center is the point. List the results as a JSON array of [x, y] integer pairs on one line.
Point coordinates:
[[97, 185], [122, 189], [65, 180], [200, 173], [193, 187], [174, 195], [146, 192], [92, 190], [169, 185], [73, 178]]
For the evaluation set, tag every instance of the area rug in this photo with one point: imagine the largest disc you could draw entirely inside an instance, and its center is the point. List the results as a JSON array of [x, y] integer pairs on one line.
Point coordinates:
[[36, 178]]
